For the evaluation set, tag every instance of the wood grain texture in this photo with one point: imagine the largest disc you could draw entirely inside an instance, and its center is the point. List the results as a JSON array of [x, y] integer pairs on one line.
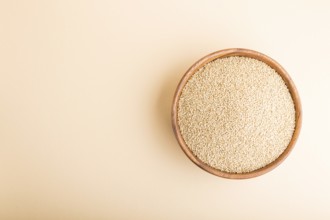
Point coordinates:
[[246, 53]]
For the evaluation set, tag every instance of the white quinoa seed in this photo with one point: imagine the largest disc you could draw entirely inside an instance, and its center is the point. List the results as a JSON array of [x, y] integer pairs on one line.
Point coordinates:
[[236, 114]]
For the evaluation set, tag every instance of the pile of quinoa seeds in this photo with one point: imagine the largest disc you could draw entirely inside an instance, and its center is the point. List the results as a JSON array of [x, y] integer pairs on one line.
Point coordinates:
[[236, 114]]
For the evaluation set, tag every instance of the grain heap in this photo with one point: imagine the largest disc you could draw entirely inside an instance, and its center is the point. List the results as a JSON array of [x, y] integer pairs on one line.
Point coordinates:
[[236, 114]]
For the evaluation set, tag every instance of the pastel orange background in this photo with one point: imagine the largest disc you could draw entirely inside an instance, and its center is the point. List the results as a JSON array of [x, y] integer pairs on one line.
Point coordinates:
[[85, 96]]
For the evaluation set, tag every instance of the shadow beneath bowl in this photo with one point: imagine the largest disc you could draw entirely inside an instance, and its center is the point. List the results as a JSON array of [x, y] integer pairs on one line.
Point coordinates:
[[163, 110]]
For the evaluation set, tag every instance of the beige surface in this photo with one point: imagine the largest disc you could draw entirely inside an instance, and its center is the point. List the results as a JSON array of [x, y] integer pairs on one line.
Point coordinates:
[[85, 92]]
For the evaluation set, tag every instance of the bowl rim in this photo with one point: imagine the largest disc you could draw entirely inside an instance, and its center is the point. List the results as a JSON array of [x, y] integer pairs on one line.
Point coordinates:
[[244, 53]]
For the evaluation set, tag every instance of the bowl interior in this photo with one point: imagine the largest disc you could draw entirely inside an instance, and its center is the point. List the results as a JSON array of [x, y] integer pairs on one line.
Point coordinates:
[[246, 53]]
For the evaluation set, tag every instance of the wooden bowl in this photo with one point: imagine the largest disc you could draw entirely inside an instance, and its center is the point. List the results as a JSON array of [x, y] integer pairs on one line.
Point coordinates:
[[245, 53]]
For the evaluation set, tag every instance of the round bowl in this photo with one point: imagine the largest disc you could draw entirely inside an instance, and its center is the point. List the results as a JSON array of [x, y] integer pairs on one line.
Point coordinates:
[[245, 53]]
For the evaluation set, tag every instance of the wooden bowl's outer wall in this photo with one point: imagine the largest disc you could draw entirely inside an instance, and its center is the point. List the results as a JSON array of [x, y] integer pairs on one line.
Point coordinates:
[[245, 53]]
